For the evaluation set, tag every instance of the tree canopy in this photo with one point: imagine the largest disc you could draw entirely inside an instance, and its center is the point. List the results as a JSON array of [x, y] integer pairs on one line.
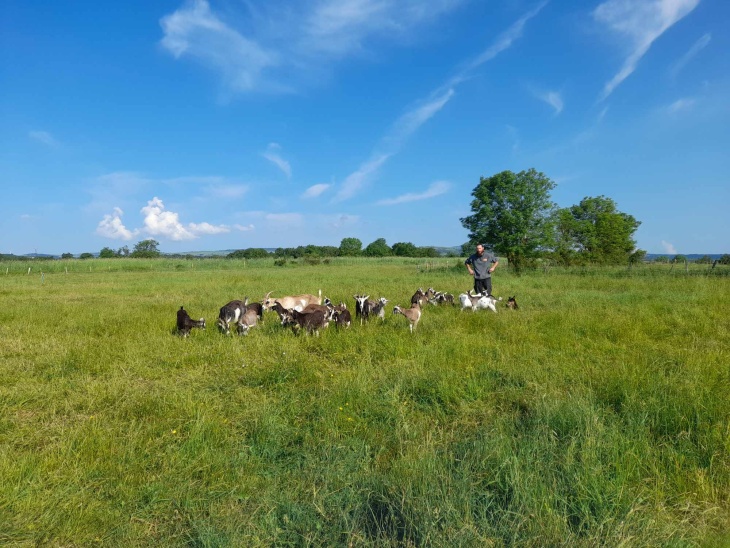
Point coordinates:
[[107, 253], [595, 230], [378, 248], [350, 247], [512, 214], [146, 249]]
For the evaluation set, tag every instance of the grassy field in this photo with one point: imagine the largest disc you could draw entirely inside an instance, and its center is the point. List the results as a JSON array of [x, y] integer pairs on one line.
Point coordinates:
[[597, 414]]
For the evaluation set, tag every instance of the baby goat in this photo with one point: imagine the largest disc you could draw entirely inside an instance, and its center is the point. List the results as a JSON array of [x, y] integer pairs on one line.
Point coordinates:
[[185, 323], [413, 314], [512, 303]]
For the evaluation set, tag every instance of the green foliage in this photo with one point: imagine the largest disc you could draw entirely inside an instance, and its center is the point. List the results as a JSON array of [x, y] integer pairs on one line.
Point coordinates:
[[595, 230], [637, 257], [67, 256], [725, 259], [661, 259], [705, 259], [679, 259], [249, 253], [123, 251], [512, 214], [146, 249], [86, 256], [107, 253], [350, 247], [405, 249], [378, 248]]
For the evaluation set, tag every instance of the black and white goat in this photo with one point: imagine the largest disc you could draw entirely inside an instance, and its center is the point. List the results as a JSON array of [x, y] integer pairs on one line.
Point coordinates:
[[339, 314], [232, 311], [512, 303], [412, 314], [185, 323]]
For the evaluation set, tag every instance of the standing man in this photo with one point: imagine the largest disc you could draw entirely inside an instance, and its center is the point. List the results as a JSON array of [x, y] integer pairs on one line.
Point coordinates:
[[481, 265]]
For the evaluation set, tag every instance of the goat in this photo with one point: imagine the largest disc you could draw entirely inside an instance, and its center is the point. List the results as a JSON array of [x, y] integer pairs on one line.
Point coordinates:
[[362, 309], [249, 319], [310, 321], [418, 297], [295, 302], [185, 323], [280, 310], [412, 314], [232, 311], [478, 301], [342, 317], [512, 303], [442, 298], [377, 308], [338, 314]]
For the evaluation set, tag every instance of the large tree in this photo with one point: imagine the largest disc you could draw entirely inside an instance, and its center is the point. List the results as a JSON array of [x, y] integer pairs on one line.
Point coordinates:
[[350, 247], [378, 248], [597, 231], [146, 249], [107, 253], [512, 214]]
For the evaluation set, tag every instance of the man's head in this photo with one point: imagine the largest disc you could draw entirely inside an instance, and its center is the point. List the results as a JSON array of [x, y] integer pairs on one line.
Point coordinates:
[[480, 249]]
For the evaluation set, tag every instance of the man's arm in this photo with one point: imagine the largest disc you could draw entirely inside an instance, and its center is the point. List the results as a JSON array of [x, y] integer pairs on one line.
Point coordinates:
[[496, 262], [467, 263]]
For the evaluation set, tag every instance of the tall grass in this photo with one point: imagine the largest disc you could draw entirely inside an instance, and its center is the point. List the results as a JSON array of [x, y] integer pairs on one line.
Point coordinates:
[[597, 414]]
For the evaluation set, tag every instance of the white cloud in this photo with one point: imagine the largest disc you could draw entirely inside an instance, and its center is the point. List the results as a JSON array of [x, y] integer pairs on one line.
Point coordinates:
[[195, 31], [244, 228], [356, 180], [503, 42], [553, 99], [269, 46], [698, 46], [159, 222], [111, 226], [640, 22], [435, 189], [669, 248], [681, 105], [273, 156], [43, 137], [227, 191], [315, 190]]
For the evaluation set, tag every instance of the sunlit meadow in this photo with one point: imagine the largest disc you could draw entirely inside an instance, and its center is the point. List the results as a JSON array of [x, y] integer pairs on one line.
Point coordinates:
[[596, 414]]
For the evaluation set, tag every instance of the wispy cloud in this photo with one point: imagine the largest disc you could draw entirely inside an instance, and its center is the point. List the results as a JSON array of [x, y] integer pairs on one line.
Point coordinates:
[[244, 228], [435, 189], [269, 47], [315, 190], [111, 226], [415, 117], [195, 31], [681, 105], [285, 219], [503, 42], [43, 137], [640, 22], [553, 99], [669, 248], [272, 155], [698, 46]]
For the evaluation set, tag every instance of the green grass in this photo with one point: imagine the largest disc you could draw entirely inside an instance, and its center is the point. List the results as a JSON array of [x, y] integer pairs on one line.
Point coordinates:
[[597, 414]]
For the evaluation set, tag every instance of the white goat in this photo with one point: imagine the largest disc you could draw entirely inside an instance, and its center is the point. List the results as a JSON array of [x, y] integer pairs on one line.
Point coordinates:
[[478, 302]]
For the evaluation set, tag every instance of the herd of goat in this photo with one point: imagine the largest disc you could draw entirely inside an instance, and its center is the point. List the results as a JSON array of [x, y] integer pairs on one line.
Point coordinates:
[[308, 313]]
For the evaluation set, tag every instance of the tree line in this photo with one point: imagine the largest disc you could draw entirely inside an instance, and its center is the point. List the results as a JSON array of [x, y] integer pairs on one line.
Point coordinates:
[[512, 214]]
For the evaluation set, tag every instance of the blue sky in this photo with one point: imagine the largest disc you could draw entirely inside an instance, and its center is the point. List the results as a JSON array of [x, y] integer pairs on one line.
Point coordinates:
[[227, 124]]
